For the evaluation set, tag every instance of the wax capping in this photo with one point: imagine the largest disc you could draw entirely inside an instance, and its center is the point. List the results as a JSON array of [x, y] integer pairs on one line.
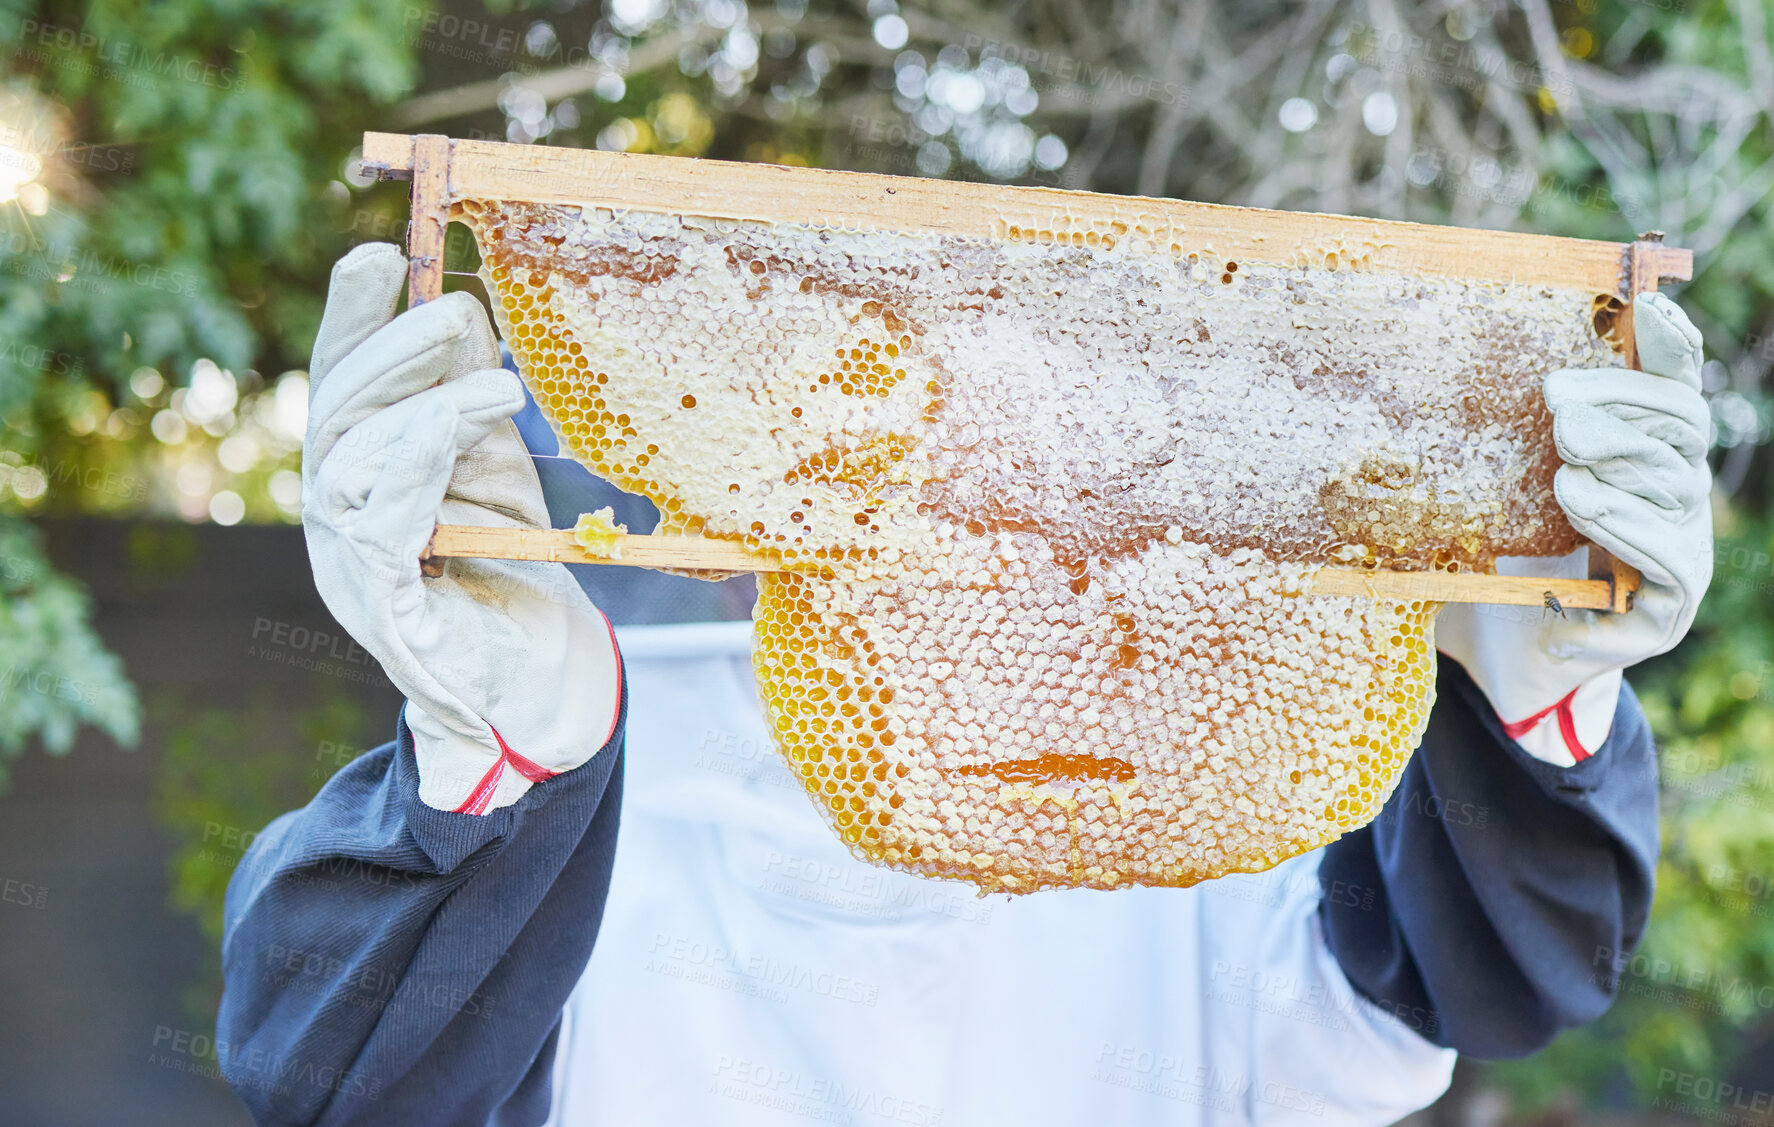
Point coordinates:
[[599, 534]]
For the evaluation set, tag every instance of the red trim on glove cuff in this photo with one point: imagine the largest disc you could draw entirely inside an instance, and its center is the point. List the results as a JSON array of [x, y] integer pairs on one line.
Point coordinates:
[[482, 795], [1567, 726]]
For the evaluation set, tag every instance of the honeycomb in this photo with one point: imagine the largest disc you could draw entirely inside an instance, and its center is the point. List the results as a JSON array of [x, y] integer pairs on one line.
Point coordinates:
[[1046, 503]]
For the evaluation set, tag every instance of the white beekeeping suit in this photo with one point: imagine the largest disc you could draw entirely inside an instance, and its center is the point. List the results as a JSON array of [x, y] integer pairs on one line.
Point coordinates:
[[749, 970]]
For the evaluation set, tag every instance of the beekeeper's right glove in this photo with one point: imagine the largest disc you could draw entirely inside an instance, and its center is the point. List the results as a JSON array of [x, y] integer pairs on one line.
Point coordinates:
[[511, 674]]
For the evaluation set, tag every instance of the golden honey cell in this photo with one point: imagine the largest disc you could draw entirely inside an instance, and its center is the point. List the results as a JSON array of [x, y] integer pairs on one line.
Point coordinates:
[[1048, 502]]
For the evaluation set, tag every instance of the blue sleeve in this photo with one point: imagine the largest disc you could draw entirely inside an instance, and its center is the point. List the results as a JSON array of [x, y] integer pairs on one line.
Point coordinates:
[[1491, 903], [387, 963]]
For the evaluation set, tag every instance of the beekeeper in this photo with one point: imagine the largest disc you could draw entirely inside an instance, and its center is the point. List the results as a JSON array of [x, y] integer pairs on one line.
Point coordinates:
[[412, 946]]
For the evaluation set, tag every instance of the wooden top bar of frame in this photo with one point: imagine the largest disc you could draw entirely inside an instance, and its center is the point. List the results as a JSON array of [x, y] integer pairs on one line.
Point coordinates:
[[865, 201]]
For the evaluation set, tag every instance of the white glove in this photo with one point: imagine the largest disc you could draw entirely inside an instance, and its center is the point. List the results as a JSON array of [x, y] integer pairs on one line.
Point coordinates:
[[511, 674], [1635, 481]]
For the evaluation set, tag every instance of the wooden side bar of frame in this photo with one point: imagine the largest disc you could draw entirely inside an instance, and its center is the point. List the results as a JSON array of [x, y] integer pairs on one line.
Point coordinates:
[[444, 172]]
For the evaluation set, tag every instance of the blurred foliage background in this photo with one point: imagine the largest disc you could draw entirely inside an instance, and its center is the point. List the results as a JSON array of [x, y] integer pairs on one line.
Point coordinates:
[[177, 177]]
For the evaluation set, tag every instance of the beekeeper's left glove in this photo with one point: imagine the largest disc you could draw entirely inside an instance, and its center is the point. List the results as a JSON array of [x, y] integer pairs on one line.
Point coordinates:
[[511, 674], [1635, 481]]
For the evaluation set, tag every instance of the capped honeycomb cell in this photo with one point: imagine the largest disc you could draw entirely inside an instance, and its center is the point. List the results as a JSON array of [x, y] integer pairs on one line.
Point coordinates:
[[1046, 503]]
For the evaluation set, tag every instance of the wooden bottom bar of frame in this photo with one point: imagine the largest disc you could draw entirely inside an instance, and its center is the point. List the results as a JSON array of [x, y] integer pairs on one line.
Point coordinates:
[[556, 545], [1443, 587], [690, 553]]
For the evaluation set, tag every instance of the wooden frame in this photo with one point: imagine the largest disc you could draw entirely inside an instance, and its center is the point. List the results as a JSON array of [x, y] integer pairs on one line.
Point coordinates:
[[445, 172]]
